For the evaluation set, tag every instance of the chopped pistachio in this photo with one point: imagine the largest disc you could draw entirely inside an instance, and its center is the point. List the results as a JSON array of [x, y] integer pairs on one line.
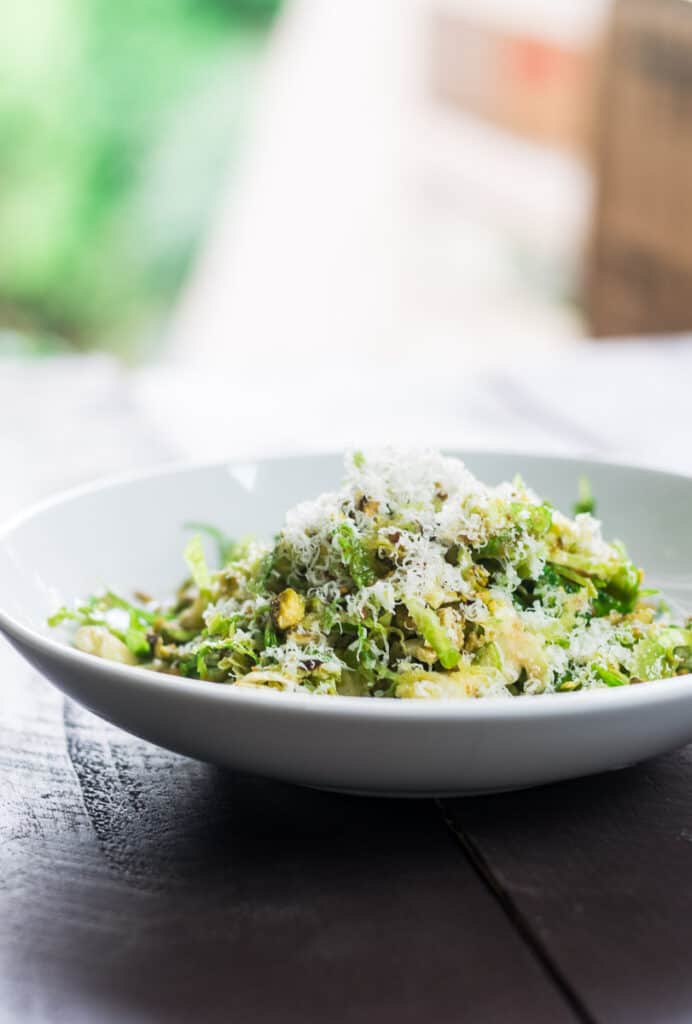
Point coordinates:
[[288, 609]]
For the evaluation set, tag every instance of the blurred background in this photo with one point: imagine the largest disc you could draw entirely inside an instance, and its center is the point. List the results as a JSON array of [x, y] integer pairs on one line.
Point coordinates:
[[277, 224], [119, 126]]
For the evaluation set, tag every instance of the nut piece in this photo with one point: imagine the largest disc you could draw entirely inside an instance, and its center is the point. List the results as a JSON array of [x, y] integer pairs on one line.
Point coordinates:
[[193, 616], [368, 506], [453, 622], [422, 652], [288, 609]]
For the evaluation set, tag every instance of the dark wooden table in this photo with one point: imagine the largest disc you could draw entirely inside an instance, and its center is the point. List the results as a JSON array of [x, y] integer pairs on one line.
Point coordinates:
[[136, 885]]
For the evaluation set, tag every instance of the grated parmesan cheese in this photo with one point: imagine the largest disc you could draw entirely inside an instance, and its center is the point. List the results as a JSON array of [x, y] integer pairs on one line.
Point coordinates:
[[413, 579]]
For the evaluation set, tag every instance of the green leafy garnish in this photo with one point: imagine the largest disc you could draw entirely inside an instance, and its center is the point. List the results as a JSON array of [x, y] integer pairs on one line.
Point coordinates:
[[197, 563], [585, 500], [61, 615], [226, 546], [354, 556], [610, 677], [137, 640], [434, 633], [489, 655], [270, 636]]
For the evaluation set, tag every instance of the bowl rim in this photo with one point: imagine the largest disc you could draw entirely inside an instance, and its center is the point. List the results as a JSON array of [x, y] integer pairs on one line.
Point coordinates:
[[586, 702]]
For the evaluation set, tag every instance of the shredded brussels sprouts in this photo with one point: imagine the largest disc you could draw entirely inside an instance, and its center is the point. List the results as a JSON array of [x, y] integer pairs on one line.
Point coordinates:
[[414, 580]]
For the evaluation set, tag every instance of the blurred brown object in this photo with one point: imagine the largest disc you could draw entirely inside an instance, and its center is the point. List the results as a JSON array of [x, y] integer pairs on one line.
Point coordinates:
[[507, 65], [639, 273]]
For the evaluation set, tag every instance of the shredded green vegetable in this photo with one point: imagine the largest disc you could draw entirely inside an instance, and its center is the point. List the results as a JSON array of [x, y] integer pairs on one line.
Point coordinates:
[[585, 503], [197, 563], [412, 580]]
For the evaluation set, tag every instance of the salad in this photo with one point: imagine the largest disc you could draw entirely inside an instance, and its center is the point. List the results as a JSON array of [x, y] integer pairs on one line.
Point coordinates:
[[413, 580]]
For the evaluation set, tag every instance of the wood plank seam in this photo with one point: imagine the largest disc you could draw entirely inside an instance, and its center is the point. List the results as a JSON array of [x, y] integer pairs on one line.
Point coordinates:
[[516, 919]]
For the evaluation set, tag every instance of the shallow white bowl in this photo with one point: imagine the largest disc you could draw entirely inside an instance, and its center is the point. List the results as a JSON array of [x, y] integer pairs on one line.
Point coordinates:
[[129, 533]]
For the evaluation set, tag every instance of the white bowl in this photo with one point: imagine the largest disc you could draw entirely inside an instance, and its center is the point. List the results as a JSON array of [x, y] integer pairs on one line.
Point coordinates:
[[129, 534]]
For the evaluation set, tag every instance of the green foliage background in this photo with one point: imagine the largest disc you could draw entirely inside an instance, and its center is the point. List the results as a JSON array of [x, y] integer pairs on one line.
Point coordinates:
[[118, 124]]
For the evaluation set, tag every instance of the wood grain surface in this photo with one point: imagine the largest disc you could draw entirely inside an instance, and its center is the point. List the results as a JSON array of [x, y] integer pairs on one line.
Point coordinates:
[[141, 886], [599, 871]]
